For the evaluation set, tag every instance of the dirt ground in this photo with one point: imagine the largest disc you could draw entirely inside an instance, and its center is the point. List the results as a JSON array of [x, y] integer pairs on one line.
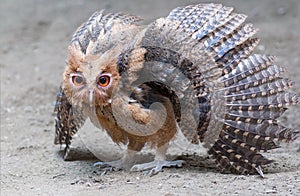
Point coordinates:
[[34, 35]]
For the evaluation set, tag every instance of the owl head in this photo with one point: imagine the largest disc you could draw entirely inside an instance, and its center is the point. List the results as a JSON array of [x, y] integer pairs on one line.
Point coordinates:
[[90, 79]]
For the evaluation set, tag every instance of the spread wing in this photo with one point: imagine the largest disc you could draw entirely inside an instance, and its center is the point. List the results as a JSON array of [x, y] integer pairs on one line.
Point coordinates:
[[229, 98], [68, 120]]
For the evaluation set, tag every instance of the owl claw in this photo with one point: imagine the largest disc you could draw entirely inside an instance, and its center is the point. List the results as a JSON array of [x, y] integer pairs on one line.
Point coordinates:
[[112, 165], [259, 170], [156, 166]]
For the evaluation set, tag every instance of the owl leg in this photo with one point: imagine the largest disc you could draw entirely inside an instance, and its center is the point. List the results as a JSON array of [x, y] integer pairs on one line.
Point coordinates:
[[158, 163], [124, 163]]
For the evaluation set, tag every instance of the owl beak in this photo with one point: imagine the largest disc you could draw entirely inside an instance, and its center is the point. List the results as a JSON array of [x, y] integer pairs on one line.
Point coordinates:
[[91, 97]]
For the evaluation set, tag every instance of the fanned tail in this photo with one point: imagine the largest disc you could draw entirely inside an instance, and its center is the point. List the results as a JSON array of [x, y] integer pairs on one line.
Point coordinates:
[[239, 120], [255, 97]]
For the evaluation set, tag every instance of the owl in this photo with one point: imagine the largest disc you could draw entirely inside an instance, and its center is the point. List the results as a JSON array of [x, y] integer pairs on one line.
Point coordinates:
[[193, 72]]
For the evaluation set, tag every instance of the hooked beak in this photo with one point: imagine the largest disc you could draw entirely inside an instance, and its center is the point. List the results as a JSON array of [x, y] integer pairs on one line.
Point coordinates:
[[91, 97]]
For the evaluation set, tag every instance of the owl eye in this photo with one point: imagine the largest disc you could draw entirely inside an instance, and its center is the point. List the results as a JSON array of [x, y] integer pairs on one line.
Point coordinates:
[[77, 80], [104, 80]]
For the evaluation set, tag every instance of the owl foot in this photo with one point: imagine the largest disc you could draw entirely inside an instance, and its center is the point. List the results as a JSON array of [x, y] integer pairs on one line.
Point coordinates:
[[111, 165], [124, 163], [159, 162], [156, 166]]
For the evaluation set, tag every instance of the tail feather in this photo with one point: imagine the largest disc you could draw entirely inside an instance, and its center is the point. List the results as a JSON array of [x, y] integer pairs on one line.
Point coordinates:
[[219, 19], [192, 23], [260, 142], [266, 89], [248, 67], [238, 145], [268, 114], [224, 31], [251, 84], [223, 161], [181, 13], [281, 100], [265, 128], [236, 117], [236, 38], [267, 75], [235, 161], [233, 57], [192, 18], [250, 158]]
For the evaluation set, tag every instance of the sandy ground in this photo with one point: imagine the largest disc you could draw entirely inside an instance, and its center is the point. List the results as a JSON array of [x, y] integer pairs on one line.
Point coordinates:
[[34, 35]]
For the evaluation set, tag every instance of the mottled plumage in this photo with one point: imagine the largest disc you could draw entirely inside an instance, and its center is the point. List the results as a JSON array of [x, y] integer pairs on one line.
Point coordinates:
[[198, 63]]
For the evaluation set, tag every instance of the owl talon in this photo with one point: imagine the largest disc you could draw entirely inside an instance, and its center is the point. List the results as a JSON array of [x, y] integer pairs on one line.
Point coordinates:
[[112, 165], [156, 166]]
